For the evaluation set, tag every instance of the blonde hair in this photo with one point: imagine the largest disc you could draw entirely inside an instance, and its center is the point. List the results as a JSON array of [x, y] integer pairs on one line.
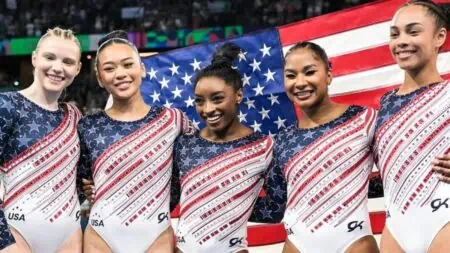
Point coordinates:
[[60, 33]]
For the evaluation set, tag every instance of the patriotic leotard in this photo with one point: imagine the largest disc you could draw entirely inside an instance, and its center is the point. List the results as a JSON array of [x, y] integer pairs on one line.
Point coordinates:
[[319, 178], [39, 153], [411, 131], [131, 165], [219, 185]]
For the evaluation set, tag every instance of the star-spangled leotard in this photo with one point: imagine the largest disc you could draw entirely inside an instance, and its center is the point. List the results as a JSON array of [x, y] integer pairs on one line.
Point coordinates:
[[319, 182], [39, 152], [412, 129], [131, 165], [219, 185]]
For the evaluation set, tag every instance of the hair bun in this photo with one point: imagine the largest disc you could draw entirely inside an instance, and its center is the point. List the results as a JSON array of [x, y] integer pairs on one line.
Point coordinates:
[[117, 34], [225, 55]]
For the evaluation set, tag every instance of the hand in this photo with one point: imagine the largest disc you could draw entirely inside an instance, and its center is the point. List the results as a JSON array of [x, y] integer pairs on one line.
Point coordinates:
[[89, 189], [441, 165]]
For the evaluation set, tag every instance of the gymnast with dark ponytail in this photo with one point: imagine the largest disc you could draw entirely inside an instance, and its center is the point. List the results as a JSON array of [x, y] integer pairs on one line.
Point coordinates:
[[220, 170], [412, 138]]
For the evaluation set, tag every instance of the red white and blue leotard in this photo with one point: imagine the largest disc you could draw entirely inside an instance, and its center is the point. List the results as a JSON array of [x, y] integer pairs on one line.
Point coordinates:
[[219, 186], [131, 165], [39, 153], [320, 179], [411, 131]]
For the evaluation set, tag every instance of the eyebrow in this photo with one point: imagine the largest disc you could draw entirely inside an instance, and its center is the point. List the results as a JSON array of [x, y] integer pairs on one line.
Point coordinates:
[[214, 94], [408, 25], [305, 67], [111, 62]]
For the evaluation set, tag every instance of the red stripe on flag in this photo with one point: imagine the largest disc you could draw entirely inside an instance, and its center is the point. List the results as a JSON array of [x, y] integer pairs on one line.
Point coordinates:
[[369, 98], [337, 22], [367, 59], [341, 21]]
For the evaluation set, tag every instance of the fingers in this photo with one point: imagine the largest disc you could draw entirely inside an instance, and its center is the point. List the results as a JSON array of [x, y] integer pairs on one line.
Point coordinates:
[[87, 182], [441, 165], [88, 189]]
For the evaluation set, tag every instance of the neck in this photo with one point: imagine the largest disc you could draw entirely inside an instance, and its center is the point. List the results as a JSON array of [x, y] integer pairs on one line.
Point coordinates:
[[321, 114], [416, 79], [129, 109], [45, 99], [234, 131]]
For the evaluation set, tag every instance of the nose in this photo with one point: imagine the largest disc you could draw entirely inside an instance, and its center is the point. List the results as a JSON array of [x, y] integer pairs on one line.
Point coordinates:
[[209, 108], [57, 67], [120, 73], [401, 41], [300, 81]]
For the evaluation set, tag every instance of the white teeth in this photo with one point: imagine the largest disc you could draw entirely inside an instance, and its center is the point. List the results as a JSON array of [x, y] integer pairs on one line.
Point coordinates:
[[405, 53], [304, 93], [214, 118], [55, 78]]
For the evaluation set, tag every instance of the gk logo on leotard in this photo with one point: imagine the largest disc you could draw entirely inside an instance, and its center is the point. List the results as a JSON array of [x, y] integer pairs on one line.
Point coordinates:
[[77, 215], [163, 216], [235, 241], [436, 204], [354, 225], [289, 231]]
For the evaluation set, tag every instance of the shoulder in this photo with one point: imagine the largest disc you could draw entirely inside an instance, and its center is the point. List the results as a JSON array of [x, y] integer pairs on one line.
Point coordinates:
[[184, 139], [9, 104], [89, 120], [9, 99], [285, 133]]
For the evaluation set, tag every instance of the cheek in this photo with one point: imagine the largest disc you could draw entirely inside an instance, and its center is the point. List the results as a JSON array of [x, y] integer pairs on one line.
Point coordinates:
[[288, 84]]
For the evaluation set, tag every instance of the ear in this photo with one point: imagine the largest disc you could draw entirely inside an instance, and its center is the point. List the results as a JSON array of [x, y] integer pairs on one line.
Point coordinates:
[[441, 36], [34, 58], [239, 96], [79, 68], [329, 77], [144, 73]]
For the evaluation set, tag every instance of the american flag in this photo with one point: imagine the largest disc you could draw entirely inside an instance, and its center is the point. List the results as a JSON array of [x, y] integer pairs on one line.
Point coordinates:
[[356, 40], [265, 107]]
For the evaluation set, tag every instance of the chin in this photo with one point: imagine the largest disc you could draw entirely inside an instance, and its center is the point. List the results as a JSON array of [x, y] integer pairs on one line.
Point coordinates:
[[55, 88], [127, 94]]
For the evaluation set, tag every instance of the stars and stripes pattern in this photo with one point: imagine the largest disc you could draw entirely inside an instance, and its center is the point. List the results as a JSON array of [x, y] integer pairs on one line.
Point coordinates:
[[41, 179], [328, 179], [217, 195], [407, 139], [265, 108], [132, 174]]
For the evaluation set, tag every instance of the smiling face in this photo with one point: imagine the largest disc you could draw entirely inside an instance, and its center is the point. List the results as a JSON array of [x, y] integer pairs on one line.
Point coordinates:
[[120, 71], [56, 63], [414, 39], [306, 78], [216, 102]]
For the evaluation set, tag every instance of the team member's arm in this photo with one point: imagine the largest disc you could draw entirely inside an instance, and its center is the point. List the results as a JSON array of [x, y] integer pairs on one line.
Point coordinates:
[[270, 208], [175, 188], [6, 127], [85, 185]]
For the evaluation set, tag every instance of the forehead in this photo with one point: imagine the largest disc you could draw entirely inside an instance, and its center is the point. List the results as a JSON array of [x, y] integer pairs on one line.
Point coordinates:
[[301, 57], [211, 84], [116, 52], [64, 48], [410, 14]]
